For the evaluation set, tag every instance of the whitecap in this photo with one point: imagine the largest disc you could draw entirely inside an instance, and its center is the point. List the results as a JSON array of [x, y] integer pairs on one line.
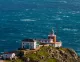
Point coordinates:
[[63, 1], [74, 30], [59, 12], [78, 12], [58, 18], [27, 9], [66, 16], [68, 29], [28, 20], [75, 33], [16, 41], [3, 40]]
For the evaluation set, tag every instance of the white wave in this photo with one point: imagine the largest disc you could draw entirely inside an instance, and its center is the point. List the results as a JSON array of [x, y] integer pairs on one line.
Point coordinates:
[[3, 40], [58, 18], [28, 20], [75, 33], [27, 9], [78, 12], [63, 1], [74, 12], [67, 29], [59, 1], [59, 12], [17, 41], [66, 16]]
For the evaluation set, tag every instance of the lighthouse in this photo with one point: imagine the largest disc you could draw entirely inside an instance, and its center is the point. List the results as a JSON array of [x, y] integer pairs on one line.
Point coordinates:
[[52, 36]]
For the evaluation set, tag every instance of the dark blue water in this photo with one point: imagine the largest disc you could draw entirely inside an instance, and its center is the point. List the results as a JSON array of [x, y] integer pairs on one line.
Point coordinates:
[[21, 19]]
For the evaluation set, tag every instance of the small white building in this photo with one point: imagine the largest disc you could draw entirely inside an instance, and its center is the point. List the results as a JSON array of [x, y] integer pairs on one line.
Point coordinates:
[[56, 44], [8, 55], [30, 44]]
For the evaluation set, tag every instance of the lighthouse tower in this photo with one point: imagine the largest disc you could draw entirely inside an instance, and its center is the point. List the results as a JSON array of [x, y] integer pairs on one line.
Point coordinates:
[[52, 36]]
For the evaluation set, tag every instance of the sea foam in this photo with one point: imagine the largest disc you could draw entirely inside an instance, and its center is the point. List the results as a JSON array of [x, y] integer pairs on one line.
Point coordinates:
[[27, 20], [67, 29]]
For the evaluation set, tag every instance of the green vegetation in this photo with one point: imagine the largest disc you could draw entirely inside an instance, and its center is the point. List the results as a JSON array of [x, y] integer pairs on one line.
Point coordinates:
[[51, 60], [17, 60], [46, 54], [41, 55]]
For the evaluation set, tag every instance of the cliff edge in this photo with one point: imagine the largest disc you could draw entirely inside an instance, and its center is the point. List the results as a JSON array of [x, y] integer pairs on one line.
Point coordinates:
[[48, 54]]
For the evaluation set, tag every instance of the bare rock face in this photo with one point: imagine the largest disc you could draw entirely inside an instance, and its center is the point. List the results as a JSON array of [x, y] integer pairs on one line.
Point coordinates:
[[63, 54], [52, 54]]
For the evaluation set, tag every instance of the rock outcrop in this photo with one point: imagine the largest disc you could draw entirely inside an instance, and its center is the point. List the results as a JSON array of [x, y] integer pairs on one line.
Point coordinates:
[[51, 54]]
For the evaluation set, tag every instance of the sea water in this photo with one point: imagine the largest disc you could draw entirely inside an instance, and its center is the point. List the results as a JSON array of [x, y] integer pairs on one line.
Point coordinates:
[[20, 19]]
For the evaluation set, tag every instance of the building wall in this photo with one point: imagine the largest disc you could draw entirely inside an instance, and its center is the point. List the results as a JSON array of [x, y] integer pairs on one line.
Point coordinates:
[[8, 56], [35, 45], [54, 38], [46, 40], [31, 45], [58, 44]]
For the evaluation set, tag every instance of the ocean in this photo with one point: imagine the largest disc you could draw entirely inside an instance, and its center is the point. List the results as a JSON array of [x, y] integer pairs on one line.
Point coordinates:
[[20, 19]]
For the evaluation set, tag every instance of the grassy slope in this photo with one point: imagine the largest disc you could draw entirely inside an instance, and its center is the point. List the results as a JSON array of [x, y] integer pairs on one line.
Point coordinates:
[[41, 55]]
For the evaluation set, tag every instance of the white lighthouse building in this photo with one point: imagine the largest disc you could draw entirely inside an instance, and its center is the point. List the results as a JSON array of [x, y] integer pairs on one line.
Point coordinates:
[[52, 41], [33, 44], [55, 42]]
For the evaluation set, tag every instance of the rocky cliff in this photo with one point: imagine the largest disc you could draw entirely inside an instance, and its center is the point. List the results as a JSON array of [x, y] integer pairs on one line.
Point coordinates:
[[49, 54]]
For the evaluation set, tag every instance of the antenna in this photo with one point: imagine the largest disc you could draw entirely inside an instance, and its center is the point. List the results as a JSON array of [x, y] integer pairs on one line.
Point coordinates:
[[52, 31]]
